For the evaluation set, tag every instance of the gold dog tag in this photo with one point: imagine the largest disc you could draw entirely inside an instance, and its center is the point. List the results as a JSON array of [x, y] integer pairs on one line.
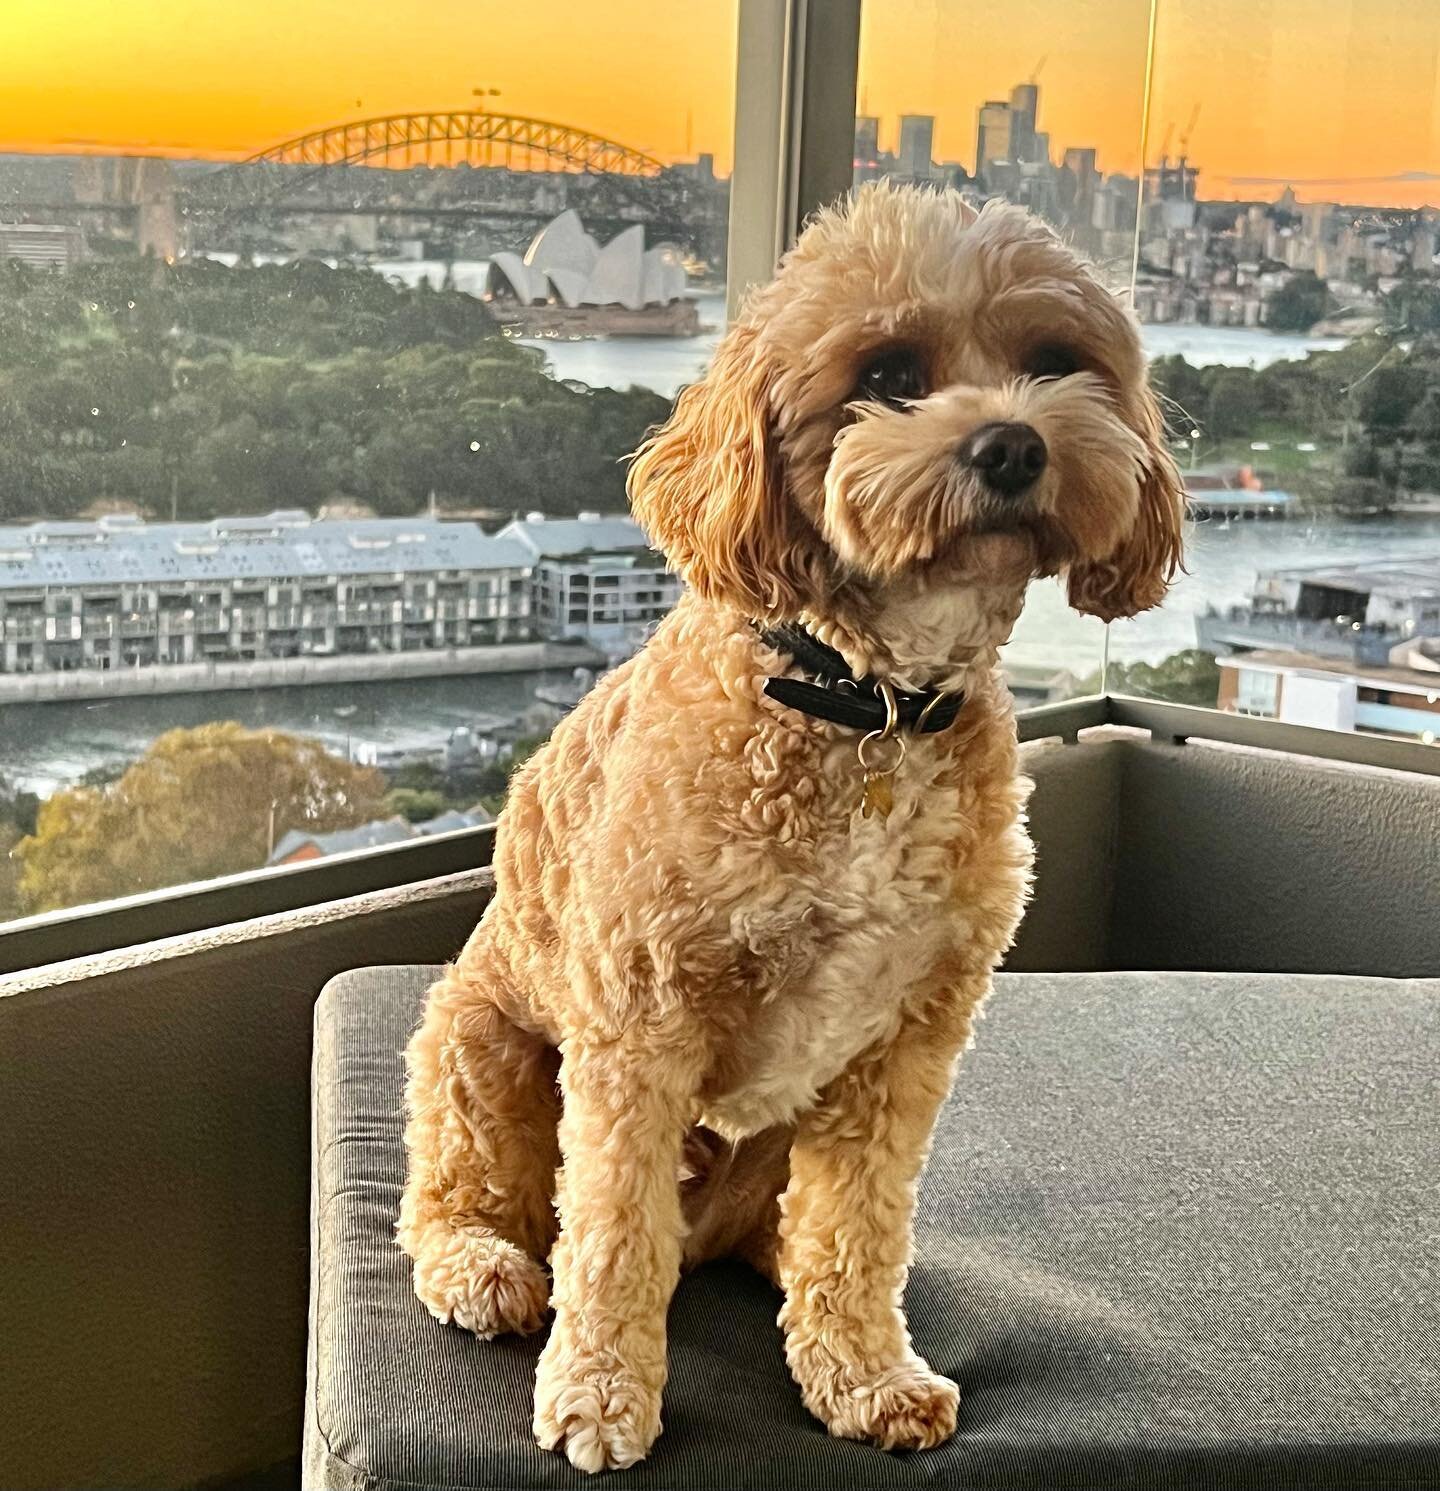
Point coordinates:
[[877, 797]]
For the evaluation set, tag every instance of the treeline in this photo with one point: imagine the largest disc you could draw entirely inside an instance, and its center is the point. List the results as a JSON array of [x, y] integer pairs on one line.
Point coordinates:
[[1372, 408], [1410, 307], [196, 389]]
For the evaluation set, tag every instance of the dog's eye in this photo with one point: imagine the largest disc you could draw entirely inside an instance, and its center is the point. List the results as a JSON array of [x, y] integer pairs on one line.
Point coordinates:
[[892, 378], [1051, 361]]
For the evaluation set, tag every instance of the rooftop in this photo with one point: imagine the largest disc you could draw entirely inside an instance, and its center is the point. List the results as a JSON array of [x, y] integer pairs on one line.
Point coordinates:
[[343, 840], [391, 830], [1417, 577], [282, 544], [554, 538], [1382, 676]]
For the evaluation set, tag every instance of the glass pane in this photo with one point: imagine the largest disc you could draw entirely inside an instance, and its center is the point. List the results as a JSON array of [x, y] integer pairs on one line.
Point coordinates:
[[1288, 272], [1040, 104], [292, 340]]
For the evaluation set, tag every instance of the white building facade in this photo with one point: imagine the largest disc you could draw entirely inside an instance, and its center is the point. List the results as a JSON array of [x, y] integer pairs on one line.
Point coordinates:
[[120, 593], [596, 579]]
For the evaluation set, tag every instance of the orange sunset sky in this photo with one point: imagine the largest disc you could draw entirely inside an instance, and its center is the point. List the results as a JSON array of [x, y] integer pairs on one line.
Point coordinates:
[[1340, 97]]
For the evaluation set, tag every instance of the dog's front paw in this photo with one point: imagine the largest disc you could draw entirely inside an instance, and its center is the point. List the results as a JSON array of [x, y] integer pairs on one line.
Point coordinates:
[[904, 1407], [480, 1281], [605, 1415]]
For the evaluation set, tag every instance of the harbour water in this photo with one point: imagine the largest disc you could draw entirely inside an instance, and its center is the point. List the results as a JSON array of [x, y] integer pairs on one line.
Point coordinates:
[[44, 746], [668, 364]]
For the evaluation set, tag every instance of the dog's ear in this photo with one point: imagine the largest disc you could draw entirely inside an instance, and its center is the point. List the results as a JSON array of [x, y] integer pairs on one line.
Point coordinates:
[[709, 488], [1137, 574]]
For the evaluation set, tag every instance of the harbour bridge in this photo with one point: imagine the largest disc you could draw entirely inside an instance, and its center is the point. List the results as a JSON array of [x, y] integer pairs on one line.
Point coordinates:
[[467, 177], [475, 137], [465, 170]]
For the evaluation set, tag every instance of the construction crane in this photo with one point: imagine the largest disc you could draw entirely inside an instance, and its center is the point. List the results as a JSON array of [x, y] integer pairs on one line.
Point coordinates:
[[1188, 131], [1039, 68]]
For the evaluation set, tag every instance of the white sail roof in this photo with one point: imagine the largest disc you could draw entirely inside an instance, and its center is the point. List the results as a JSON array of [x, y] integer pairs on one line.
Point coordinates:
[[508, 277], [564, 265], [618, 276], [563, 244]]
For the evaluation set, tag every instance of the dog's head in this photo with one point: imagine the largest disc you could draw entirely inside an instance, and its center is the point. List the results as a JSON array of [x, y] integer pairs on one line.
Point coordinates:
[[925, 398]]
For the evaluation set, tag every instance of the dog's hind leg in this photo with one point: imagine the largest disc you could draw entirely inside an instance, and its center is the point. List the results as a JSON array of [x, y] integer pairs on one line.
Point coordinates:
[[731, 1196], [477, 1214]]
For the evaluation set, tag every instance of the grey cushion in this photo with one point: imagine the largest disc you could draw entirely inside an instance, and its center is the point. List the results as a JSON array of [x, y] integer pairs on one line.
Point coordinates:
[[1177, 1229]]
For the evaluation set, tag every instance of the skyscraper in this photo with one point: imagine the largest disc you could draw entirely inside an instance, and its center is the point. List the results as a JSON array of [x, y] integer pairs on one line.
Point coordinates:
[[1024, 111], [992, 139], [867, 147], [1079, 183], [917, 145]]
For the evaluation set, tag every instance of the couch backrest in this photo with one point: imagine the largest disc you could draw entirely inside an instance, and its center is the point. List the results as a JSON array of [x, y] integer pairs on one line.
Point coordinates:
[[1215, 857]]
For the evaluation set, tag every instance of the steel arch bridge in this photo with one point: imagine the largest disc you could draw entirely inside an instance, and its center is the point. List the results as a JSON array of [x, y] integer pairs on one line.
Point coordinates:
[[455, 136]]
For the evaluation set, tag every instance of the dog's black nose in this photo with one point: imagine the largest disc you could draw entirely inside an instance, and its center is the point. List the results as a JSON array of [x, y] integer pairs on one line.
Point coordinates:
[[1008, 456]]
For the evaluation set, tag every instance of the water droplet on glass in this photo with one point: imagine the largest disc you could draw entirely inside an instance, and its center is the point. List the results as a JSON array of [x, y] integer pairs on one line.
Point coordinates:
[[94, 411], [474, 445], [131, 304]]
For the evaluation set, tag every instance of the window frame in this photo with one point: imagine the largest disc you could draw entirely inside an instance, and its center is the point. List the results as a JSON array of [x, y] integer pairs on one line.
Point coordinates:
[[797, 65]]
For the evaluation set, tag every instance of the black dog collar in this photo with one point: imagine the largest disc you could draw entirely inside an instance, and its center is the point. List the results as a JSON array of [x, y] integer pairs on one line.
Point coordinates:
[[840, 698]]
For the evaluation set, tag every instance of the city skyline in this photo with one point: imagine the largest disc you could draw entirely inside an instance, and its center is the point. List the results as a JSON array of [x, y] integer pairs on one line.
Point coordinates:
[[1339, 98]]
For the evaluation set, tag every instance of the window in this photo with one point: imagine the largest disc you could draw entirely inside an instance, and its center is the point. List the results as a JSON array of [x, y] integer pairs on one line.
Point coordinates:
[[288, 393], [1005, 101], [1283, 265], [1289, 282], [285, 392], [1257, 692]]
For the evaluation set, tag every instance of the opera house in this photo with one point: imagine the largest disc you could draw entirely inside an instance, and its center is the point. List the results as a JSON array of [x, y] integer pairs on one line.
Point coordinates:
[[568, 284]]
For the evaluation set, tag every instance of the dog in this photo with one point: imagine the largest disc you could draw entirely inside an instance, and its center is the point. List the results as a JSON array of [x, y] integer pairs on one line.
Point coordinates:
[[749, 897]]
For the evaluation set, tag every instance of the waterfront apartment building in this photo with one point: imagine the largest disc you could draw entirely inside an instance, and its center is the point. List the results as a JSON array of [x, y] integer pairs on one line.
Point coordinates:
[[122, 593], [596, 578], [1345, 647]]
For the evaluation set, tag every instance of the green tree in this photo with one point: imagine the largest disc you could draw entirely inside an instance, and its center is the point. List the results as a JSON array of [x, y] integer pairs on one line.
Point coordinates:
[[197, 804], [1189, 677], [1231, 410], [1414, 305], [17, 819], [1298, 304], [1361, 460], [1389, 395], [1181, 388], [413, 805], [1425, 417]]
